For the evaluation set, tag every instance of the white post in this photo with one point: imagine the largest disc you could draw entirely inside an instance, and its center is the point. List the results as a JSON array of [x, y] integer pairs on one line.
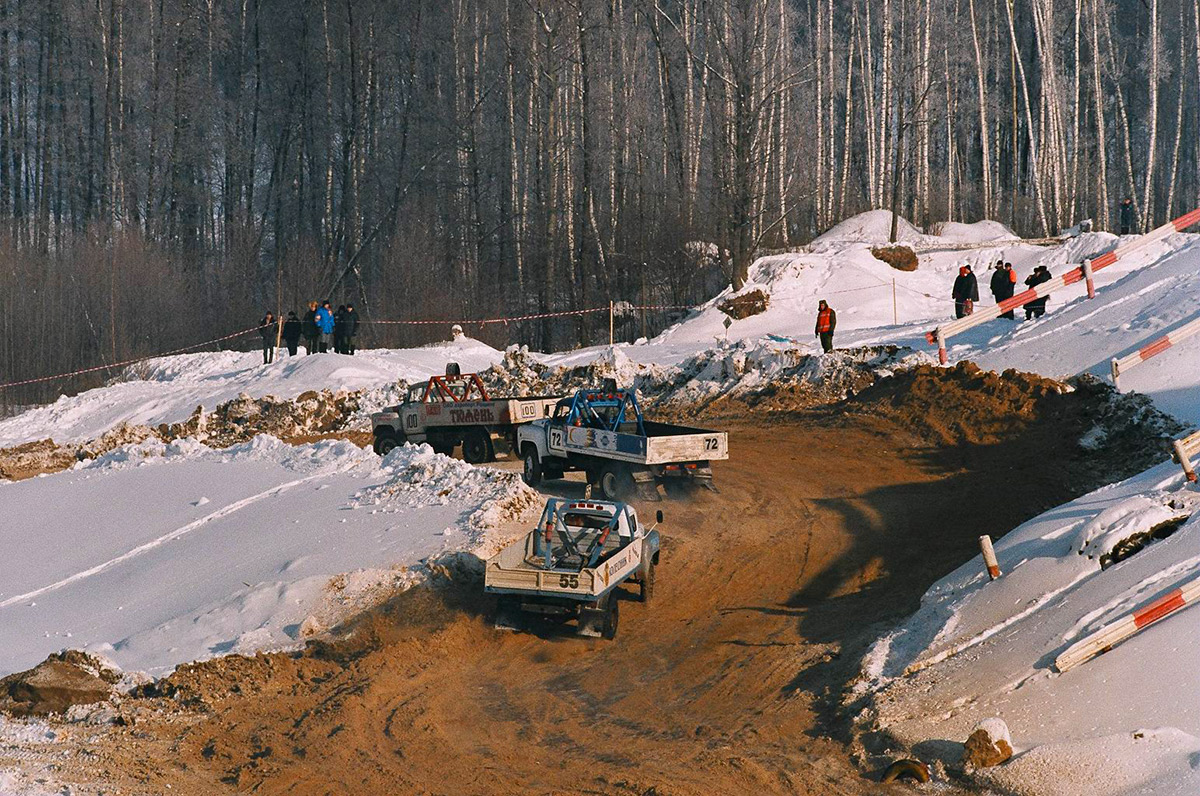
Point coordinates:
[[610, 322], [989, 556], [941, 343], [1115, 367], [895, 314], [1088, 277]]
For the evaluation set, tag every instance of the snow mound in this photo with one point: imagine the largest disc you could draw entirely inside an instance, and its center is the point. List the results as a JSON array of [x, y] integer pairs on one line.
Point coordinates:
[[985, 231], [414, 475], [873, 226]]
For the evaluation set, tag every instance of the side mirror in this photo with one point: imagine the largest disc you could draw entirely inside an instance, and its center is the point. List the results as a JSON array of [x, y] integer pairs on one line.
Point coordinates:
[[658, 516]]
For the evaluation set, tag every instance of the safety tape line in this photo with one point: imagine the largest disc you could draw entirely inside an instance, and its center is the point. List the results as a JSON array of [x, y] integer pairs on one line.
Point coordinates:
[[185, 349], [535, 316]]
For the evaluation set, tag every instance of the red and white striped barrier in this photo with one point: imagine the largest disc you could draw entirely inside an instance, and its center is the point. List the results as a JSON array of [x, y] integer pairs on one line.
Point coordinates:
[[1111, 635], [1185, 449], [1151, 349], [1081, 273], [989, 556]]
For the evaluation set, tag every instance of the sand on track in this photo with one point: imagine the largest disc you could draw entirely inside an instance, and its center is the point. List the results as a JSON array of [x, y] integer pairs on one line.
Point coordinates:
[[829, 524]]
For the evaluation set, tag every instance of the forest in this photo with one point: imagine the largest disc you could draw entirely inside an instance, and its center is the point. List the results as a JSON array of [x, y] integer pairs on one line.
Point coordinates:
[[170, 169]]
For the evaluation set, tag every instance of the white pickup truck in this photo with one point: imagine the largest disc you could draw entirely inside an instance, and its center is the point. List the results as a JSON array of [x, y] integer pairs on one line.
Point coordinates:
[[453, 410], [571, 564], [603, 433]]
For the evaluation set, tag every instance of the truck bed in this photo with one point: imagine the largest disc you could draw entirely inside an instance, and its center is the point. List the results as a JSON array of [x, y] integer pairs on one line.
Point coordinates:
[[511, 571], [664, 443]]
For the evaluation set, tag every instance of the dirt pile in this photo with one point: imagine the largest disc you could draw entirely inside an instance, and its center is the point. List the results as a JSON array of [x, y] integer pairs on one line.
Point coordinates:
[[901, 258], [302, 419], [1104, 435], [24, 461], [62, 680], [746, 305], [766, 375]]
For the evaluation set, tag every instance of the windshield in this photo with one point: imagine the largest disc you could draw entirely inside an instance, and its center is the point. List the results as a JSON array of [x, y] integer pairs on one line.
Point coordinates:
[[416, 393]]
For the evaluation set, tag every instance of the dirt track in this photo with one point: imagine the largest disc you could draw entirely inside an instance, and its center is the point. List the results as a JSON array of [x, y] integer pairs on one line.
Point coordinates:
[[826, 526]]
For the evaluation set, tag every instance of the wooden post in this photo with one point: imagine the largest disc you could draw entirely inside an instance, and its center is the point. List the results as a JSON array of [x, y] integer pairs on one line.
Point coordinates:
[[1115, 367], [989, 556], [610, 322], [1184, 460]]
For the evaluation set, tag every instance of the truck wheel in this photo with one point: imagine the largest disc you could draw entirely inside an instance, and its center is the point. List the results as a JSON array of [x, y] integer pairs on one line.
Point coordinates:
[[648, 583], [444, 447], [611, 615], [477, 447], [385, 444], [532, 473], [615, 482]]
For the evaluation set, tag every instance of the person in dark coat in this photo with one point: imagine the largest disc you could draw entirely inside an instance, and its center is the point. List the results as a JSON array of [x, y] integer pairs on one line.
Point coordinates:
[[339, 329], [312, 334], [267, 328], [1002, 285], [1128, 220], [965, 292], [826, 323], [291, 333], [351, 328], [1037, 307]]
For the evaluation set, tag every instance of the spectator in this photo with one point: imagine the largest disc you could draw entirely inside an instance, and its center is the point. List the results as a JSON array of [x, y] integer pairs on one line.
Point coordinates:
[[291, 333], [311, 333], [1002, 285], [324, 319], [351, 328], [965, 292], [1128, 221], [1037, 307], [339, 329], [826, 323], [266, 328]]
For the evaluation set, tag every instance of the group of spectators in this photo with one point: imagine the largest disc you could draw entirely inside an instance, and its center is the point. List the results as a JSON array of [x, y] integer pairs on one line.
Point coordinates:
[[1003, 286], [323, 329]]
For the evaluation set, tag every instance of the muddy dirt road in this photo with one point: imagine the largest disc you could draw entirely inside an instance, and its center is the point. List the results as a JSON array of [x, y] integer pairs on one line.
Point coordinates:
[[827, 526]]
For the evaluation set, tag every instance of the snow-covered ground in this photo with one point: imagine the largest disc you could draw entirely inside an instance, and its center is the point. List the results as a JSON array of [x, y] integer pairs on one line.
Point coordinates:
[[168, 389], [155, 555], [1125, 722]]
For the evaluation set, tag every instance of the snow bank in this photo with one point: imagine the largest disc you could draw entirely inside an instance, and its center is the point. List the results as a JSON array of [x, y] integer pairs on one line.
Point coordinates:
[[873, 226], [155, 553], [985, 231], [169, 389], [980, 648]]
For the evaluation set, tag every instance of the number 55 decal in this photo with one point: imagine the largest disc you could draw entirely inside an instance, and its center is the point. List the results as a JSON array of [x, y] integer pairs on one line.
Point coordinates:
[[568, 581]]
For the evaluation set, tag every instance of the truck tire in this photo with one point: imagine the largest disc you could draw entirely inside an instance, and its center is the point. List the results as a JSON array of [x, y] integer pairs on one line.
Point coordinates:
[[386, 443], [442, 446], [532, 472], [615, 482], [477, 447], [648, 583], [611, 615]]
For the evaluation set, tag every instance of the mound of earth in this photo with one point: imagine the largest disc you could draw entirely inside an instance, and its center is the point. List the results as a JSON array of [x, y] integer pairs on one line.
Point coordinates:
[[302, 419], [1103, 433], [61, 681]]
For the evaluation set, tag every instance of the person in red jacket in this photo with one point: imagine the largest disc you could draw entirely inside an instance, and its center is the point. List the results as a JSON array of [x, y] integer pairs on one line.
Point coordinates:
[[826, 323]]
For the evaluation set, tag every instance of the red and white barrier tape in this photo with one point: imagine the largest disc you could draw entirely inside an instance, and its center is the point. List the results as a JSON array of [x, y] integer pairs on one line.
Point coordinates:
[[1080, 273], [82, 371], [1153, 348], [535, 316], [1113, 634]]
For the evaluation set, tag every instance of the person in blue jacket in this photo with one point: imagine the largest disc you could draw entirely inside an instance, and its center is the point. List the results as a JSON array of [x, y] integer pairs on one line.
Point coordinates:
[[324, 321]]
